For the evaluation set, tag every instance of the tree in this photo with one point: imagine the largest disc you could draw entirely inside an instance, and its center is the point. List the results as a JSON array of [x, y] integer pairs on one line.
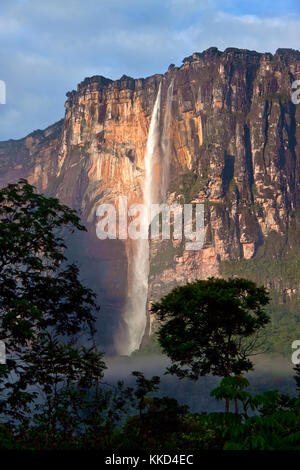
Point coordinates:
[[143, 387], [232, 388], [158, 417], [211, 326], [68, 377], [44, 307], [274, 424]]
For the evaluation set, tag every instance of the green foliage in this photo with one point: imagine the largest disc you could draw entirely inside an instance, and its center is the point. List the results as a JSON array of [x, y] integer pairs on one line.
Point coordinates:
[[165, 257], [57, 398], [43, 307], [143, 387], [232, 388], [203, 325], [276, 427], [162, 424], [36, 133], [276, 265], [232, 186], [273, 425], [189, 184]]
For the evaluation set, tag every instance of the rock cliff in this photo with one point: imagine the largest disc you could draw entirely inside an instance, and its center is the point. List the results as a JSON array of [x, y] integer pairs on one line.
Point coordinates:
[[233, 143]]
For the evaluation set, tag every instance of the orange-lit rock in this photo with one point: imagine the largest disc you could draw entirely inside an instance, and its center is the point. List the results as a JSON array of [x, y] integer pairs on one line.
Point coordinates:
[[234, 145]]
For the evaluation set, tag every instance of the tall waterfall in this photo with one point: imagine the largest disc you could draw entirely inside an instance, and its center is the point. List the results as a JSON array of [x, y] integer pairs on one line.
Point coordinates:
[[135, 315], [166, 143]]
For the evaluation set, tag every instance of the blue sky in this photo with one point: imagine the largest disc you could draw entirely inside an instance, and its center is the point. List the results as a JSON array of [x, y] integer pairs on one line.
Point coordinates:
[[49, 46]]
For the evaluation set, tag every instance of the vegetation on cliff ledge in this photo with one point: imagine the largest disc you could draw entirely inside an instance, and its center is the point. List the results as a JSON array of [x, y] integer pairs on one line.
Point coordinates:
[[56, 397]]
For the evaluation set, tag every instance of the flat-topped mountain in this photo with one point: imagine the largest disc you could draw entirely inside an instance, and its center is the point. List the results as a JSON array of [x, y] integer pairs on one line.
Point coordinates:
[[233, 142]]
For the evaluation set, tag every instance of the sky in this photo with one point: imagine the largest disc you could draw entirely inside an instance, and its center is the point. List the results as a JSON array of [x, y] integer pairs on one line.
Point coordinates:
[[49, 46]]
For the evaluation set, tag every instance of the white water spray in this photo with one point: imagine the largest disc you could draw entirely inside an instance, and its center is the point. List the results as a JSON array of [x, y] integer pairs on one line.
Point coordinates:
[[135, 315], [166, 142]]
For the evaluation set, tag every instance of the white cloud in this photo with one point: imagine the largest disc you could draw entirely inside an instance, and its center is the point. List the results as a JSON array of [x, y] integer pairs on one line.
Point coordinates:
[[48, 47]]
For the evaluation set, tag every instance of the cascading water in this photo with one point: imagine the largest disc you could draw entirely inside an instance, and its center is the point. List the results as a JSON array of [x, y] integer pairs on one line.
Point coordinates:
[[166, 142], [135, 316]]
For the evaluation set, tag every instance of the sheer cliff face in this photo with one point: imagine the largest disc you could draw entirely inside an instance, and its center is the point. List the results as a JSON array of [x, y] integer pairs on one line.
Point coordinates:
[[233, 143]]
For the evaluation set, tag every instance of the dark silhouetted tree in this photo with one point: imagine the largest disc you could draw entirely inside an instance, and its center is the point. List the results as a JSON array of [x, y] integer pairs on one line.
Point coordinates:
[[44, 307], [211, 326]]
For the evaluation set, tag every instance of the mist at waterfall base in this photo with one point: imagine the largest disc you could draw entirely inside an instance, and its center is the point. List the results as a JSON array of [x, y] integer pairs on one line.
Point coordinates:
[[270, 373]]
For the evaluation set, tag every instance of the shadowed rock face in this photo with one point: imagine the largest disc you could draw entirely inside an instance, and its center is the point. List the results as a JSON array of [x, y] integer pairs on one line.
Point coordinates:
[[234, 144]]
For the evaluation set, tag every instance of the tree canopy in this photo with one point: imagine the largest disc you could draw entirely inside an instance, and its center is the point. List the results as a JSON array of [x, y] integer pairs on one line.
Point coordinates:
[[204, 326], [44, 306]]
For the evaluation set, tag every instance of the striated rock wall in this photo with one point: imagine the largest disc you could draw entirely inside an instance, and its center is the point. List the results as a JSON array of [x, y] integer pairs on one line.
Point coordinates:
[[234, 144]]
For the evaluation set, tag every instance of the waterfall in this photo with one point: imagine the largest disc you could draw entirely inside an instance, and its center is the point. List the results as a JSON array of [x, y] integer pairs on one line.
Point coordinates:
[[135, 315], [152, 157], [166, 142]]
